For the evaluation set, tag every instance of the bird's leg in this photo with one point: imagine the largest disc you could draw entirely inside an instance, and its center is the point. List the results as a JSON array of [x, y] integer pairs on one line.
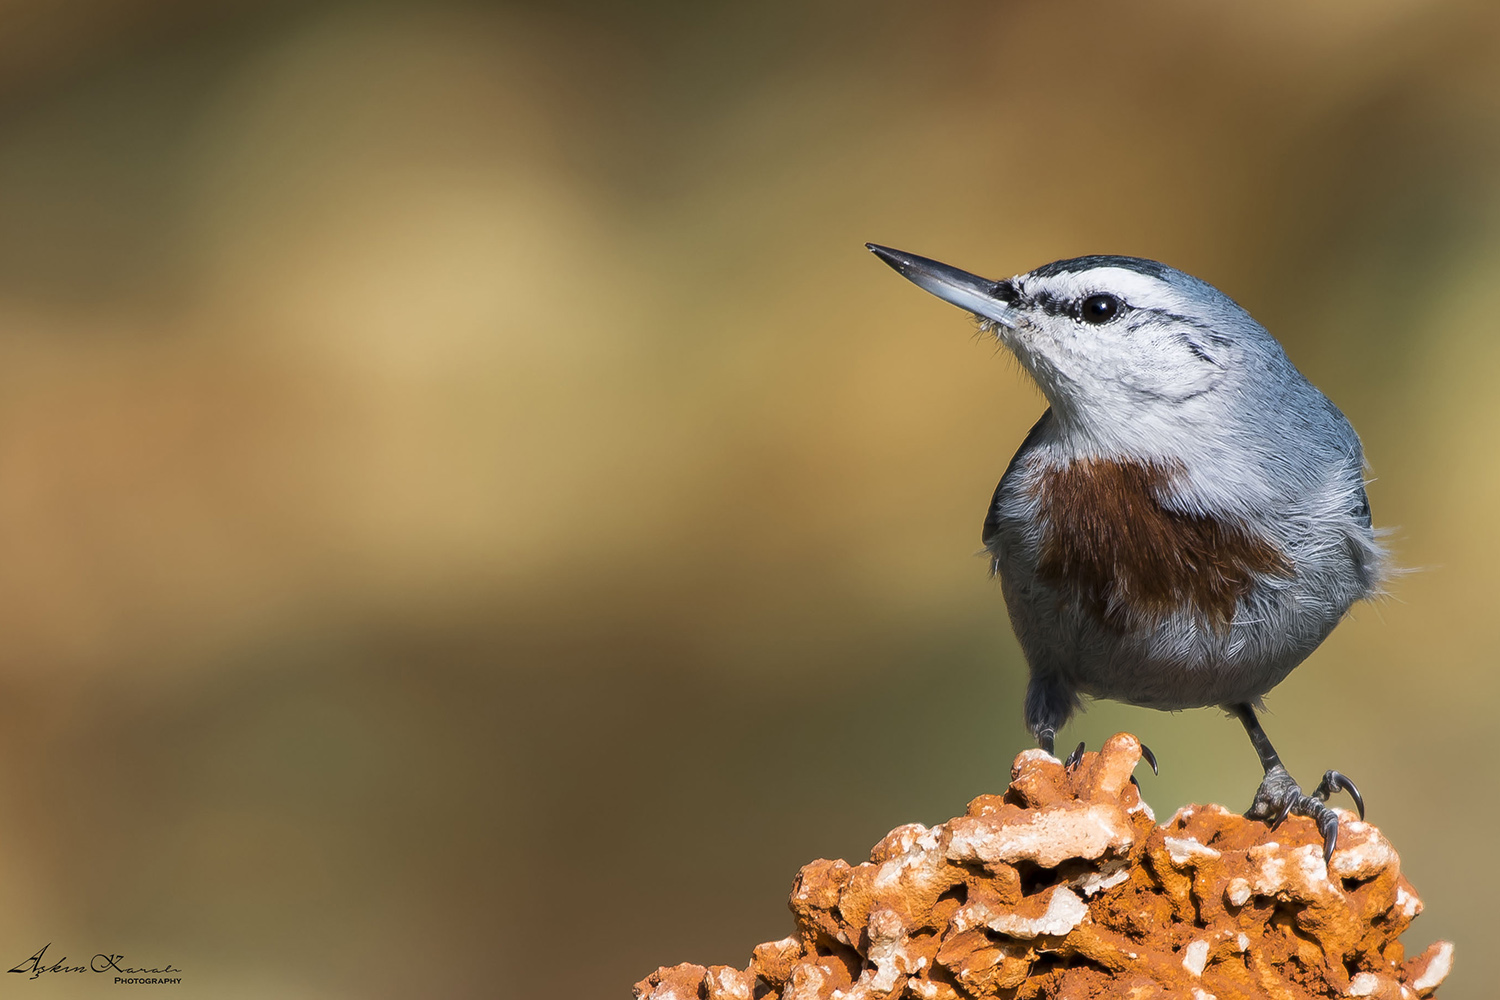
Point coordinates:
[[1279, 796], [1045, 738], [1049, 702]]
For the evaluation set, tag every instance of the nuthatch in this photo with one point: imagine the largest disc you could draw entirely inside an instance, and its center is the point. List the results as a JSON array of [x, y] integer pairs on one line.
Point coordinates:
[[1187, 521]]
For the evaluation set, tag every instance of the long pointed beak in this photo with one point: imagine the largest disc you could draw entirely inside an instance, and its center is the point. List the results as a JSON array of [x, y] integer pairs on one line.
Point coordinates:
[[967, 291]]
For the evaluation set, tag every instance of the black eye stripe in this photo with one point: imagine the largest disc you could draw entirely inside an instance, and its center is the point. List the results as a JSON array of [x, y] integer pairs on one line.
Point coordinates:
[[1056, 305]]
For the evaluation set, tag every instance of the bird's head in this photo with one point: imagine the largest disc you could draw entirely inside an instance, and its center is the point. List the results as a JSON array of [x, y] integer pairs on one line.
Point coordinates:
[[1131, 354]]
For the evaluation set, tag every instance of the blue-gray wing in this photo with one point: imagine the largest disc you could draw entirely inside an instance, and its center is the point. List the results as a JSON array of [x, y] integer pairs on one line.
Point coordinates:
[[991, 536]]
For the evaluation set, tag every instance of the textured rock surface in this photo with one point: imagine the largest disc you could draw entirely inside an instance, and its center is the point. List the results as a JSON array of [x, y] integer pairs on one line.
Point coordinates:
[[1065, 887]]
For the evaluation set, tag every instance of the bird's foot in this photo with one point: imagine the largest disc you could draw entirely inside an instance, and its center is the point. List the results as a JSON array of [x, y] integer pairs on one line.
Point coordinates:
[[1279, 796], [1076, 757]]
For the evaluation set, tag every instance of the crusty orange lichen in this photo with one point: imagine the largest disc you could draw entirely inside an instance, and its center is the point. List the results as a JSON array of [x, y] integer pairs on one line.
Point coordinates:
[[1065, 887]]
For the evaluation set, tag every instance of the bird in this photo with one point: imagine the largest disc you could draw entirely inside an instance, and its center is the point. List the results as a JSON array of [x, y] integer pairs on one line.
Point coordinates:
[[1186, 522]]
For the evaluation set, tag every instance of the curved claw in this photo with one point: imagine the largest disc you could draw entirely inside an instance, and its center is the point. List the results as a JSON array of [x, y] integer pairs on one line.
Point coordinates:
[[1333, 782], [1328, 826], [1151, 759], [1286, 810], [1074, 758]]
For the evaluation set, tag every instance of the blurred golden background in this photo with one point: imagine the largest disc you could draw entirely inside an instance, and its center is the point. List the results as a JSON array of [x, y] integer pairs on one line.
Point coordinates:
[[474, 519]]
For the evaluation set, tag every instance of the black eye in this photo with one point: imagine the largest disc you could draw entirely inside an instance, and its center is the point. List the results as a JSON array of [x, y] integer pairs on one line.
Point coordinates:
[[1100, 308]]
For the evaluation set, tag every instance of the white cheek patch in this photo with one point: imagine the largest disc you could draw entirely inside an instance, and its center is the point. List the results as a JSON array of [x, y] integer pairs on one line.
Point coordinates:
[[1170, 371], [1122, 367]]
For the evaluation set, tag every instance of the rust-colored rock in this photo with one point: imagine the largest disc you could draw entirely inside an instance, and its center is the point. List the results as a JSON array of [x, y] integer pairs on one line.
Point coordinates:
[[1065, 887]]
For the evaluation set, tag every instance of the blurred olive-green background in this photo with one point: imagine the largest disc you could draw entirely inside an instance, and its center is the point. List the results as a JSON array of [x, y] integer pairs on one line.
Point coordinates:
[[474, 519]]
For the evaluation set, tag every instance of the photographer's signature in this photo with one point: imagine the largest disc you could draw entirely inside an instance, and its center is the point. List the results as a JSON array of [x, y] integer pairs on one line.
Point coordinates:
[[36, 966]]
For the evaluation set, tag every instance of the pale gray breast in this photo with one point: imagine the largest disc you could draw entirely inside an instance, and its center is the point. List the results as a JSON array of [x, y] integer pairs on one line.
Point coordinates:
[[1112, 586]]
